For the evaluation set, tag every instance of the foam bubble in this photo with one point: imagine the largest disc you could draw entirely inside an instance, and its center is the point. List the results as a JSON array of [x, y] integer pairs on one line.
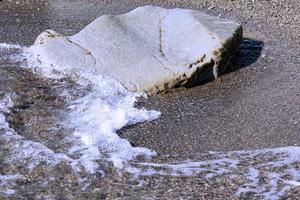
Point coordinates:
[[10, 46]]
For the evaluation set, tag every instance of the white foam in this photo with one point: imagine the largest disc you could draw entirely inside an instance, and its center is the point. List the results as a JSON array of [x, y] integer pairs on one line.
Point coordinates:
[[107, 106], [255, 164], [12, 52], [10, 177], [10, 46], [212, 168], [7, 182], [283, 158], [8, 191], [5, 104], [96, 117], [24, 151], [293, 183]]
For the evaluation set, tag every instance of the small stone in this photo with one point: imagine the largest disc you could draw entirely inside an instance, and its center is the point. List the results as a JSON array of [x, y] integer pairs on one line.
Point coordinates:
[[211, 7]]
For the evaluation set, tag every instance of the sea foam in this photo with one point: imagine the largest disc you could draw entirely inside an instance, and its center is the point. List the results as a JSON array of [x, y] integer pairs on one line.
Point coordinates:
[[96, 116], [105, 107]]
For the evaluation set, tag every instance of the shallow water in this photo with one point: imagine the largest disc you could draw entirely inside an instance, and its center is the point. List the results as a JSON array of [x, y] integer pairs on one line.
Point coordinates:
[[38, 118], [94, 115], [78, 131]]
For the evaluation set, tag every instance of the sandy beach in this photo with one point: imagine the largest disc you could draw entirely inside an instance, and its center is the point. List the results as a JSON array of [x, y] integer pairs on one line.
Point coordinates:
[[254, 105]]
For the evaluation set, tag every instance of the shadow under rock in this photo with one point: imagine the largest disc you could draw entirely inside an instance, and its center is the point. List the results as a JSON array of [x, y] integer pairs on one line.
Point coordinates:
[[248, 53]]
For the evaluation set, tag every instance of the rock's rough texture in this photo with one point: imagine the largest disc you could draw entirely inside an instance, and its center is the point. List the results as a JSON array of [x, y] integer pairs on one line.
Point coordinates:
[[148, 49]]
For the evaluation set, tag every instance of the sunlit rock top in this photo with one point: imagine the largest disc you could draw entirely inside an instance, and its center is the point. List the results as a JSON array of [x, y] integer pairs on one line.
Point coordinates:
[[149, 49]]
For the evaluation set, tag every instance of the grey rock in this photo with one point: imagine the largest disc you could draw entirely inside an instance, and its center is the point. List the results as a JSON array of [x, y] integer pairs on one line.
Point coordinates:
[[150, 49]]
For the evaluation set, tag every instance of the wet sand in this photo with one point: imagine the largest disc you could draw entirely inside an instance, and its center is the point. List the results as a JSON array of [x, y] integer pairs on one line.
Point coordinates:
[[256, 104]]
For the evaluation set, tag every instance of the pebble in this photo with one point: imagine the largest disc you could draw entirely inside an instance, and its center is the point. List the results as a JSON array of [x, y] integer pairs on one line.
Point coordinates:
[[211, 7]]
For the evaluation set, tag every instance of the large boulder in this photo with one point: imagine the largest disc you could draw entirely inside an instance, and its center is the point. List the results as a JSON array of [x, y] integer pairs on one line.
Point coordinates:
[[149, 49]]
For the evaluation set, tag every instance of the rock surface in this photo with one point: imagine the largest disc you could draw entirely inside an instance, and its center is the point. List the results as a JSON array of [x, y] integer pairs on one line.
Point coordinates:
[[149, 49]]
